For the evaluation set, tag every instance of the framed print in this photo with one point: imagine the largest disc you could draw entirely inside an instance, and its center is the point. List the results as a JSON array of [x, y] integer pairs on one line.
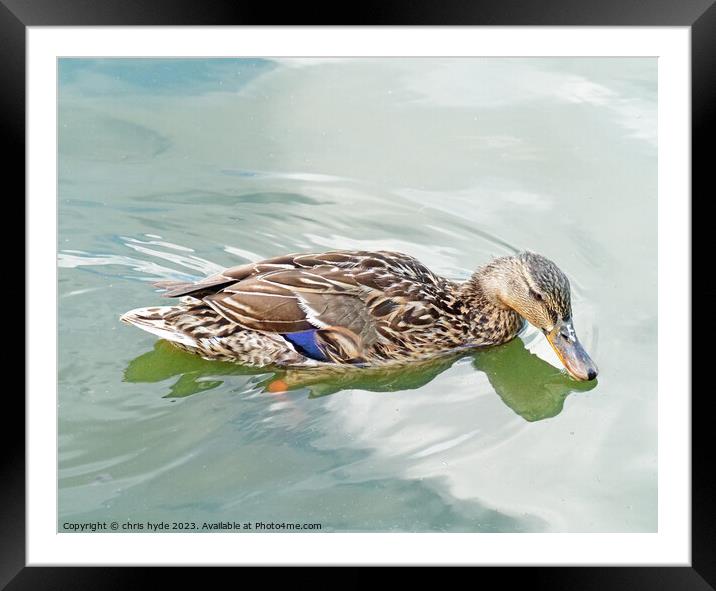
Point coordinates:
[[360, 295]]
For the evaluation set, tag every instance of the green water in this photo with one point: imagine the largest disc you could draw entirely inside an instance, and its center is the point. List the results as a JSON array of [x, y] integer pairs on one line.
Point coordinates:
[[172, 169]]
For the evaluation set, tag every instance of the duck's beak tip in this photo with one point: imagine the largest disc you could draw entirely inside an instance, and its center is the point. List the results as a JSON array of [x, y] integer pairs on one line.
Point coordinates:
[[571, 353]]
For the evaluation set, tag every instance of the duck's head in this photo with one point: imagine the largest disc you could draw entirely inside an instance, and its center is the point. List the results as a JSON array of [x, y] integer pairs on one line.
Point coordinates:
[[535, 288]]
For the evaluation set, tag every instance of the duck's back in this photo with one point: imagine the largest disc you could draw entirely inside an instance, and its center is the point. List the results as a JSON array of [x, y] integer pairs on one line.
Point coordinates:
[[337, 306]]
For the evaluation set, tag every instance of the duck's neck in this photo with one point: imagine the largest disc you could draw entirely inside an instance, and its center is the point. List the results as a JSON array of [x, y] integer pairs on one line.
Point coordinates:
[[490, 321]]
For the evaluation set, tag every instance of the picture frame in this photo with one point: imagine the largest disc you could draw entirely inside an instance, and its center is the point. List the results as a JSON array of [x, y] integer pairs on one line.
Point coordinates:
[[16, 17]]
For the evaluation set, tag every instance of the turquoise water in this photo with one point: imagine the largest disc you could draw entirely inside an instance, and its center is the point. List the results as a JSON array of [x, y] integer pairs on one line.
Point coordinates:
[[173, 169]]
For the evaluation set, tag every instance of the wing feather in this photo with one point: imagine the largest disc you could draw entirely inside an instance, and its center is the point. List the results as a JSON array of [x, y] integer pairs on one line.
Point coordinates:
[[354, 295]]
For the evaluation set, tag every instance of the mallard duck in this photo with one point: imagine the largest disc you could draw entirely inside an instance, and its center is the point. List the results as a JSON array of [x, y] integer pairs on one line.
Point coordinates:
[[364, 308]]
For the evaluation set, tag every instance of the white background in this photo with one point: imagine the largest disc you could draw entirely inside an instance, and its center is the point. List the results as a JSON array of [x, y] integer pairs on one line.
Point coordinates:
[[671, 545]]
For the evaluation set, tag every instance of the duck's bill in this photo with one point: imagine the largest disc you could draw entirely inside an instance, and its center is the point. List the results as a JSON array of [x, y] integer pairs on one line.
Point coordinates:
[[565, 343]]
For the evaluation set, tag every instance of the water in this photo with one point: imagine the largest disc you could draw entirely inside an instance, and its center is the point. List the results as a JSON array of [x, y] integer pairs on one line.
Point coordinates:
[[172, 169]]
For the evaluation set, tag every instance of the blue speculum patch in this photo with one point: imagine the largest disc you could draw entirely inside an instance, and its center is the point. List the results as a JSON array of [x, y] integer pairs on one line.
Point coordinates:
[[305, 343]]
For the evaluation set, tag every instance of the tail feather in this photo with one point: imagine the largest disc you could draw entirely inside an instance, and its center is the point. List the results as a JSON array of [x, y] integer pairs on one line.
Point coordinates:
[[171, 284], [153, 320]]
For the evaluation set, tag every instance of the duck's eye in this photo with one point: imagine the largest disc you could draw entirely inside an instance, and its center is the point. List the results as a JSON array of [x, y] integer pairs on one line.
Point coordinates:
[[537, 296]]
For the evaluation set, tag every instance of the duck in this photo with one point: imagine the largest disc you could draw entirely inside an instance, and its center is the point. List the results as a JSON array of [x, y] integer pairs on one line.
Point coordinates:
[[364, 309]]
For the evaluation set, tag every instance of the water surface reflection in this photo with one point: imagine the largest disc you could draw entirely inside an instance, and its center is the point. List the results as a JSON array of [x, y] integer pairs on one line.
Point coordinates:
[[176, 169], [530, 386]]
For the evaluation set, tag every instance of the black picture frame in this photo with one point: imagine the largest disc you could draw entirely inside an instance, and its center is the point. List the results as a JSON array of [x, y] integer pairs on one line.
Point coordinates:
[[699, 15]]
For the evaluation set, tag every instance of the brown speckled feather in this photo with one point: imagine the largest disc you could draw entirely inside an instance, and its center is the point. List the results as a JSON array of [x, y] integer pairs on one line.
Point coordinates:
[[372, 299], [366, 307]]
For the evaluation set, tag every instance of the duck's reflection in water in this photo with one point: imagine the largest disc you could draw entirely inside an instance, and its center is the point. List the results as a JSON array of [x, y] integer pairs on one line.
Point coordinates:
[[531, 387]]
